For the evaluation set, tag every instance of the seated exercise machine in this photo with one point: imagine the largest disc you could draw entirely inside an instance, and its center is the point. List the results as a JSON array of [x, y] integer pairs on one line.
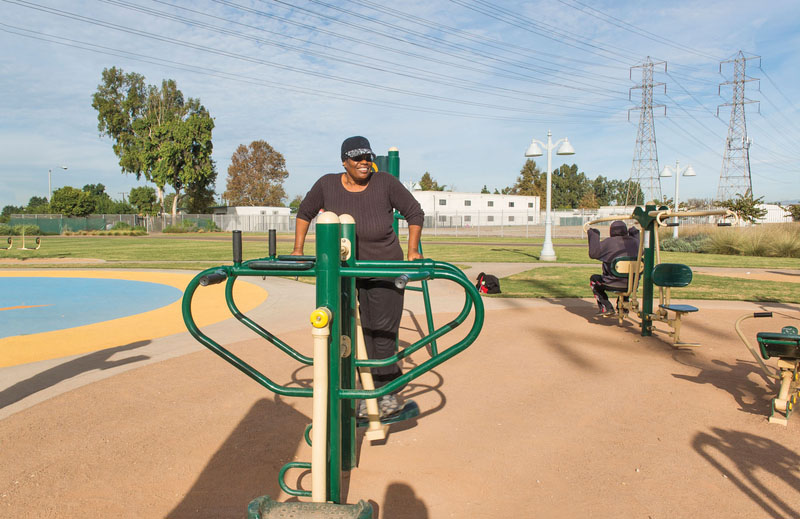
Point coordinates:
[[784, 346], [646, 269], [332, 434]]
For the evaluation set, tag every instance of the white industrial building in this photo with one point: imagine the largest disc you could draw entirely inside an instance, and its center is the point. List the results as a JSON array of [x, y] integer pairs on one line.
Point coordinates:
[[450, 209]]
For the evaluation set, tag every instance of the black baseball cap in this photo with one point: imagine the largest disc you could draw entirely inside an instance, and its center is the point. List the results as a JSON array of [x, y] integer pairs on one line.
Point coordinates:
[[355, 147]]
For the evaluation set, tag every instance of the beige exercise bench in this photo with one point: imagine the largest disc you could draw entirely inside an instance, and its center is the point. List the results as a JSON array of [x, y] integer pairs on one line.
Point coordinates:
[[667, 276], [629, 269]]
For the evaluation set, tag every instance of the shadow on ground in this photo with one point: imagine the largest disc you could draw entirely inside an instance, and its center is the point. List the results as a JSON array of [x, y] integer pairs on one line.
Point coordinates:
[[99, 360], [743, 458]]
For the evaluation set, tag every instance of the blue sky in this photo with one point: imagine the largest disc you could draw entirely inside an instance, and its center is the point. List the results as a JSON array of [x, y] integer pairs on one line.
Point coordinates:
[[459, 86]]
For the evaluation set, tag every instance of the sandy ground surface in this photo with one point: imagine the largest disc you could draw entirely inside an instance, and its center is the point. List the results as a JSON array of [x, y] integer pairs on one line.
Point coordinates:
[[551, 413]]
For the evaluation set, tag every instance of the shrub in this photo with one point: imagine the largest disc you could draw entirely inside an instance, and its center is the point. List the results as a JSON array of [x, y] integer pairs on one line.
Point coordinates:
[[726, 241], [121, 226], [28, 230], [175, 229], [690, 243], [755, 243], [6, 229]]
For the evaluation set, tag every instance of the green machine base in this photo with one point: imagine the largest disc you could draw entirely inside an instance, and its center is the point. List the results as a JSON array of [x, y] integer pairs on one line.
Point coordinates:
[[265, 508]]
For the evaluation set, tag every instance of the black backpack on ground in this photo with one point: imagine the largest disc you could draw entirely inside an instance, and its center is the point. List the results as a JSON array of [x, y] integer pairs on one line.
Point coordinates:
[[487, 284]]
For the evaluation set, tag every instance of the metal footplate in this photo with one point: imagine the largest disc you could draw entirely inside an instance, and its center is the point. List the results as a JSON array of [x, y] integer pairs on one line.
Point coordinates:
[[265, 508], [408, 411]]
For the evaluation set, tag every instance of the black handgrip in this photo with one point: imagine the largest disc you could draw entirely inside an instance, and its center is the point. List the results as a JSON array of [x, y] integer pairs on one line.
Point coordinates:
[[237, 247], [762, 314], [673, 224], [280, 265], [273, 243], [401, 281], [289, 257], [214, 278], [724, 224]]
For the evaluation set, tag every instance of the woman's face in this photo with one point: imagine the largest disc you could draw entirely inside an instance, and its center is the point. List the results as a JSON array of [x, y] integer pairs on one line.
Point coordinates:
[[359, 168]]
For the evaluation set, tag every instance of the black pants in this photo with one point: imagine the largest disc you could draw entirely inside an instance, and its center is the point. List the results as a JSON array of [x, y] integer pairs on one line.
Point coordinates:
[[599, 290], [381, 305]]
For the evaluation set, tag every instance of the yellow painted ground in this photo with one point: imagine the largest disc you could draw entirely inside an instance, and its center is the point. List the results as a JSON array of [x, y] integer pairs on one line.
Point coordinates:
[[208, 307]]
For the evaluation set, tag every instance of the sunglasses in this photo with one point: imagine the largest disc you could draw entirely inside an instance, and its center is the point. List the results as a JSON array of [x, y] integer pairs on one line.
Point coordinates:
[[366, 157]]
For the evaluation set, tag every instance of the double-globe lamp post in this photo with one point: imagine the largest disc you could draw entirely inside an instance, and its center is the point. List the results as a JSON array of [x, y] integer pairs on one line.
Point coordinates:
[[688, 171], [50, 183], [534, 150]]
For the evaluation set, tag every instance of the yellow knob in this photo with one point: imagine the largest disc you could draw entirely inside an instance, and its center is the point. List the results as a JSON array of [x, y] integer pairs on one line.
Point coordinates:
[[319, 318]]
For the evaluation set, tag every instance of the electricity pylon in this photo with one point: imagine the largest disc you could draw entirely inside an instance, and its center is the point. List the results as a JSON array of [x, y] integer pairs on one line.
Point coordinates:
[[735, 175], [644, 171]]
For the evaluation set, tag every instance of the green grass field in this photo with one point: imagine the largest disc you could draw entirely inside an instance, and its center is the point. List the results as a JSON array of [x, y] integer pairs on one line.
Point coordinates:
[[200, 251]]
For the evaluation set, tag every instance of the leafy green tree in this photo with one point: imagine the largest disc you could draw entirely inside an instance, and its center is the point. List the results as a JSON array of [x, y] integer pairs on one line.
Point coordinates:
[[101, 202], [745, 206], [199, 198], [699, 203], [256, 176], [427, 183], [588, 201], [156, 132], [144, 199], [531, 181], [37, 205], [121, 207], [8, 210], [294, 205], [794, 211], [485, 191], [624, 192], [70, 201], [569, 187]]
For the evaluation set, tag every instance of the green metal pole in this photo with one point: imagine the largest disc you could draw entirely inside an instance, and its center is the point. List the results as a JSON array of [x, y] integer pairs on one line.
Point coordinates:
[[649, 228], [328, 268], [393, 168], [349, 363]]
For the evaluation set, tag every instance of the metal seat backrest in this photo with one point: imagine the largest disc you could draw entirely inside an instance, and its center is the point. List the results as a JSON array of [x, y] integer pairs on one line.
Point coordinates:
[[672, 275], [622, 266]]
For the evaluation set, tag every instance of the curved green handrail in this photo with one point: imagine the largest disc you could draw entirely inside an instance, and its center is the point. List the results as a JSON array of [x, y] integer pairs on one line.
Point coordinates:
[[209, 343], [263, 332], [387, 269]]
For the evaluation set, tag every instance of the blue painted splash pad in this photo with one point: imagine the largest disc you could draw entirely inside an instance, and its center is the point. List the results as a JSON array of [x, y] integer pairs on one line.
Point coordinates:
[[59, 303]]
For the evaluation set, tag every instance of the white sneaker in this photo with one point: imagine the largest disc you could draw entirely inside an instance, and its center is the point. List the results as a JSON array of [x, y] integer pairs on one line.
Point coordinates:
[[388, 405]]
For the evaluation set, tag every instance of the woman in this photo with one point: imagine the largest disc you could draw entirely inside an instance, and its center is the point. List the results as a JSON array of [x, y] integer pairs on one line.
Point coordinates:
[[371, 198]]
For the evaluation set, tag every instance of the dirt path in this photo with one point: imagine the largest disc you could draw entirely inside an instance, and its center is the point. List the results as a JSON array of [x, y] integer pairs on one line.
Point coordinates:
[[549, 414]]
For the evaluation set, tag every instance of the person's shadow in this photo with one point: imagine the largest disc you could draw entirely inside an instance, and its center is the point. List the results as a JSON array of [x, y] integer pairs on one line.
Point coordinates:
[[400, 502], [247, 464], [98, 360]]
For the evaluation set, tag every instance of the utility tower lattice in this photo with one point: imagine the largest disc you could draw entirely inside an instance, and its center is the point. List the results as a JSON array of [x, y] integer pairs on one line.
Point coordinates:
[[735, 175], [644, 171]]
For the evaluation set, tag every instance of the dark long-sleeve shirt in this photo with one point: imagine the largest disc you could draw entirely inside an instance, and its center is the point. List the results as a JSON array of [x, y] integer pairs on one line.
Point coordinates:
[[622, 242], [372, 209]]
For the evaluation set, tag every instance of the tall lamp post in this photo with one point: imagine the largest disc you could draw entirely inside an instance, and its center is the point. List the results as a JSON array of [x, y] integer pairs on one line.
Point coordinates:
[[50, 183], [688, 171], [534, 150]]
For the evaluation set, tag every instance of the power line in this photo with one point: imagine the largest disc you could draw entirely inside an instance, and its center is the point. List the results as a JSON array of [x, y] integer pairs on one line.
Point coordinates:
[[636, 30], [427, 75], [99, 49]]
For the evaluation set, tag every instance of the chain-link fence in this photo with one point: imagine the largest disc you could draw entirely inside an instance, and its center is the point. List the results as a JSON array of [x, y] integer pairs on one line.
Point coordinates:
[[566, 224]]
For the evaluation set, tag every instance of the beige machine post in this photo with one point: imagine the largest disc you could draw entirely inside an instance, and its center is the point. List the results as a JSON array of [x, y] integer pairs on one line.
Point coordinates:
[[320, 320], [376, 430]]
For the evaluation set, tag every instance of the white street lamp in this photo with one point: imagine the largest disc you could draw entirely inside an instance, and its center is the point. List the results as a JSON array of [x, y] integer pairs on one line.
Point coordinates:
[[687, 172], [50, 183], [548, 253]]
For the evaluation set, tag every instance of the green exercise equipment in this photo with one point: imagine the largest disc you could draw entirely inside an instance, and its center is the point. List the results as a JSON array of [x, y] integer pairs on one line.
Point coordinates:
[[335, 331], [784, 347]]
